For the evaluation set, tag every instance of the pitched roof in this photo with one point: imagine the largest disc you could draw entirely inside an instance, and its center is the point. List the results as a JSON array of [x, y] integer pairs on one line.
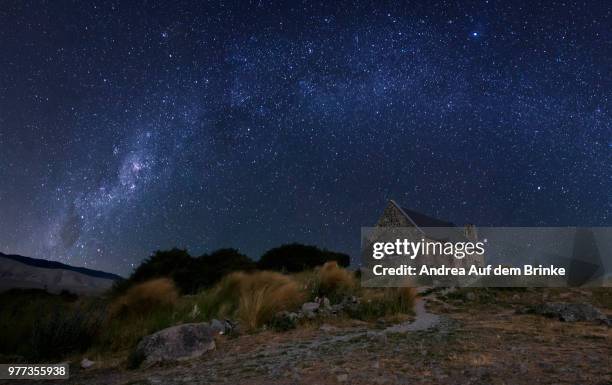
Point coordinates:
[[425, 221], [422, 220]]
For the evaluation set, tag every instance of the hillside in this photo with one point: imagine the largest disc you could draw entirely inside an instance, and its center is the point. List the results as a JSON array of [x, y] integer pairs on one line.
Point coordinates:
[[17, 271]]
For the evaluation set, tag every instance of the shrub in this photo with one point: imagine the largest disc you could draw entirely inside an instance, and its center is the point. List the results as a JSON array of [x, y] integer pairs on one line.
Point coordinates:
[[296, 257], [145, 297], [189, 274], [36, 325], [64, 332], [161, 264], [208, 269], [252, 298]]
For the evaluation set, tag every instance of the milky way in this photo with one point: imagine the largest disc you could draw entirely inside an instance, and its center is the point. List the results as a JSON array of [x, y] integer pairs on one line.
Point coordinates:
[[127, 127]]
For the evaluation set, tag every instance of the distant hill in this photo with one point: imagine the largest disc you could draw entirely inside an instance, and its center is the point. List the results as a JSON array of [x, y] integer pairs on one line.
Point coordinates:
[[17, 271]]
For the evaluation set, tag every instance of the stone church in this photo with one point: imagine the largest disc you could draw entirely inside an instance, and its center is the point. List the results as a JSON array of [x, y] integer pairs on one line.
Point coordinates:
[[396, 216], [399, 222]]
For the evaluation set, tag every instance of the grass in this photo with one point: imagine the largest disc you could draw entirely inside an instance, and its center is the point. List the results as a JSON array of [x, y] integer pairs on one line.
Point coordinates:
[[35, 325], [601, 297], [334, 281], [382, 302], [145, 297], [144, 309], [252, 298]]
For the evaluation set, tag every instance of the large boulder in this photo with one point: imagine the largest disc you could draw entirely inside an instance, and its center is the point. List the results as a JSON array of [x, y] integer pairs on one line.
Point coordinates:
[[175, 343], [569, 312]]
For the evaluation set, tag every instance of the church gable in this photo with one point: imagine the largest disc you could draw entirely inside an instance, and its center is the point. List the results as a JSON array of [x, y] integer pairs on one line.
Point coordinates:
[[393, 216]]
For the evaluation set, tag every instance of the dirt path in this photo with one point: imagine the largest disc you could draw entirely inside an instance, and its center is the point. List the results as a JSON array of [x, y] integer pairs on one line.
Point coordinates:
[[423, 320]]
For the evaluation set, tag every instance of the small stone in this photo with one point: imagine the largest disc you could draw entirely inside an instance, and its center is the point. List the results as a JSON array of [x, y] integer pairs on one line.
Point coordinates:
[[326, 303], [195, 312], [86, 363], [328, 328], [285, 320], [310, 307], [342, 377]]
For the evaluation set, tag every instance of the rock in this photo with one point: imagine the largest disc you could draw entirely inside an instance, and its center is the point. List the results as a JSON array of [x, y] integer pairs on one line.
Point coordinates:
[[342, 377], [86, 363], [195, 311], [309, 309], [325, 303], [336, 308], [231, 328], [569, 312], [217, 326], [284, 320], [176, 343], [328, 328], [516, 297]]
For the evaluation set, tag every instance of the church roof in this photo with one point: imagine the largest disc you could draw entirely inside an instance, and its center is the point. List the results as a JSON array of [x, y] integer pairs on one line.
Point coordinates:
[[422, 220]]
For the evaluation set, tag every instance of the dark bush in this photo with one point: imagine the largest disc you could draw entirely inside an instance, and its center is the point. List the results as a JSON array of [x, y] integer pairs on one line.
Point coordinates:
[[208, 269], [296, 257], [189, 274], [162, 264]]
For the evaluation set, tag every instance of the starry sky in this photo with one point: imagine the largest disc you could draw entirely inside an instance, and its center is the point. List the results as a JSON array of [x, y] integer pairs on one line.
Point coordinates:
[[127, 127]]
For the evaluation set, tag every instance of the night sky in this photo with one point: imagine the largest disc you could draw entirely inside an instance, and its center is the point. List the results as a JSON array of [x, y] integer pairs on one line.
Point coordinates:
[[127, 127]]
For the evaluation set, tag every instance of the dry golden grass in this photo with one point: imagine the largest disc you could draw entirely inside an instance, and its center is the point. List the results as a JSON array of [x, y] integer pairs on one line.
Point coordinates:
[[380, 302], [334, 279], [254, 298], [145, 297]]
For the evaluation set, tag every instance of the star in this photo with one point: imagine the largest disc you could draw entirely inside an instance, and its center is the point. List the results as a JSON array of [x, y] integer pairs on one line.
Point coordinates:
[[209, 126]]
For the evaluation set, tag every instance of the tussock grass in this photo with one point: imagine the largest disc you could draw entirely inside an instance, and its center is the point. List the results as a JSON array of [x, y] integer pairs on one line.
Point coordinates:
[[252, 298], [143, 309], [335, 281], [382, 302], [329, 280], [145, 297]]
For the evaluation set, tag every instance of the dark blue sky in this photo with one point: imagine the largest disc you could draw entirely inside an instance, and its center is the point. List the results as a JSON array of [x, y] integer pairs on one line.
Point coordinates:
[[131, 126]]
